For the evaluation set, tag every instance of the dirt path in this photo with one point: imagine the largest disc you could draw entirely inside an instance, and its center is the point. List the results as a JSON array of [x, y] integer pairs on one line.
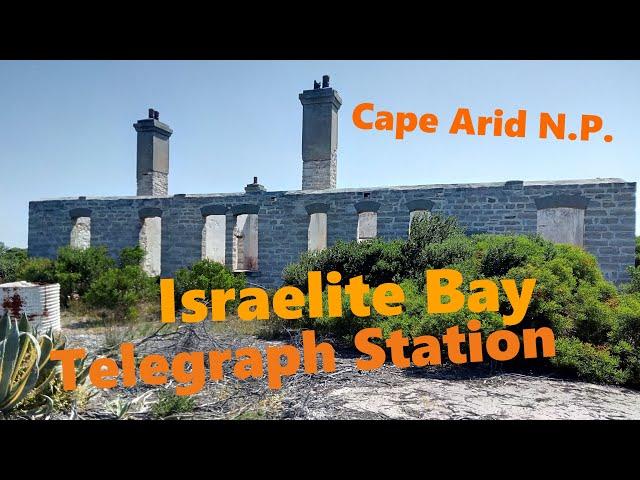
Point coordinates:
[[446, 392]]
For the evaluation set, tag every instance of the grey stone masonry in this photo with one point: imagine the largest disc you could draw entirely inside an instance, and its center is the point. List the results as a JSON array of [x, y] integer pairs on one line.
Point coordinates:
[[283, 219], [320, 137], [153, 183]]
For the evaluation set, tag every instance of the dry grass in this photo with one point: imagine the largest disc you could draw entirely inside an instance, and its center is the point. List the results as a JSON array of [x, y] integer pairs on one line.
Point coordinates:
[[271, 329], [78, 314]]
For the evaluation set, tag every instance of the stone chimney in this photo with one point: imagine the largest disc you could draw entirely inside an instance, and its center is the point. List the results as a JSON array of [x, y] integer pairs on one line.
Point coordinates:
[[319, 136], [254, 187], [152, 172]]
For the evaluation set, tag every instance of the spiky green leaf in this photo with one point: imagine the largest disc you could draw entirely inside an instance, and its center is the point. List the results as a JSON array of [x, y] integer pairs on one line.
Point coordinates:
[[9, 358], [21, 390], [46, 345], [5, 323], [24, 325]]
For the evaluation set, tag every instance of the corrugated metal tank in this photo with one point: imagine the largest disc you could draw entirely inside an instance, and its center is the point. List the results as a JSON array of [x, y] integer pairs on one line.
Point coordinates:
[[41, 303]]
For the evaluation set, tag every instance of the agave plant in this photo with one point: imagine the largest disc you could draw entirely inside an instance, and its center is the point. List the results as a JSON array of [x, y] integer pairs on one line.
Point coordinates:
[[121, 408], [49, 369], [25, 363], [20, 354]]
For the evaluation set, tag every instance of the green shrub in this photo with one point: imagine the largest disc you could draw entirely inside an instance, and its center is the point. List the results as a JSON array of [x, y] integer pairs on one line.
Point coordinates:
[[443, 254], [426, 232], [594, 364], [122, 290], [551, 296], [433, 228], [593, 316], [77, 269], [415, 321], [637, 252], [411, 321], [571, 295], [434, 241], [379, 262], [206, 275], [501, 253], [629, 357], [633, 286], [38, 270], [628, 320], [597, 328], [92, 275], [583, 265], [11, 259], [343, 328], [131, 256], [169, 403]]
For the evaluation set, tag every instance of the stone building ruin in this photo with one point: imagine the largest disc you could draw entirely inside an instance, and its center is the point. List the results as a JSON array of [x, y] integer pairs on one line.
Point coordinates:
[[259, 232]]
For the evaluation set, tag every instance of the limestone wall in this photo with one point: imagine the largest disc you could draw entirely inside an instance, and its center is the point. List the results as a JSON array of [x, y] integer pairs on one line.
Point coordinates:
[[150, 241], [153, 183], [213, 238], [81, 233], [608, 207]]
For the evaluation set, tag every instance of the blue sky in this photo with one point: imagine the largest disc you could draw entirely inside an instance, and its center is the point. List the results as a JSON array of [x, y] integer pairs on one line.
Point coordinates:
[[66, 127]]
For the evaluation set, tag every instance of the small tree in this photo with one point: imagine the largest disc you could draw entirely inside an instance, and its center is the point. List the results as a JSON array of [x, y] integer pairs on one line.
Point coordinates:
[[11, 260], [77, 269], [423, 245], [38, 270], [122, 290], [206, 275], [131, 256]]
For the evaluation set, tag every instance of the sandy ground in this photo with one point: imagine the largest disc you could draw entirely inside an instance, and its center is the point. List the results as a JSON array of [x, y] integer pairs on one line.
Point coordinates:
[[447, 392]]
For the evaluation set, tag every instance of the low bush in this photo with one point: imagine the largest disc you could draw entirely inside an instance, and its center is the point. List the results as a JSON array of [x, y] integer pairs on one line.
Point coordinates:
[[413, 321], [206, 275], [633, 286], [131, 256], [433, 228], [629, 357], [634, 272], [501, 253], [591, 363], [121, 290], [377, 260], [96, 279], [38, 270], [11, 259], [592, 312], [597, 327], [171, 404], [77, 269], [421, 249], [628, 320], [440, 255]]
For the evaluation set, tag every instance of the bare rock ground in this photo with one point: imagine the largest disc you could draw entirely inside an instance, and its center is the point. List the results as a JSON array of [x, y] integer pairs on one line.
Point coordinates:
[[447, 392]]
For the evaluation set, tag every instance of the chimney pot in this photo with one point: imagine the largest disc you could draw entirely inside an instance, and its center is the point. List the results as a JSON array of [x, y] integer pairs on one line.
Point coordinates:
[[255, 180], [325, 81], [156, 115], [151, 113]]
